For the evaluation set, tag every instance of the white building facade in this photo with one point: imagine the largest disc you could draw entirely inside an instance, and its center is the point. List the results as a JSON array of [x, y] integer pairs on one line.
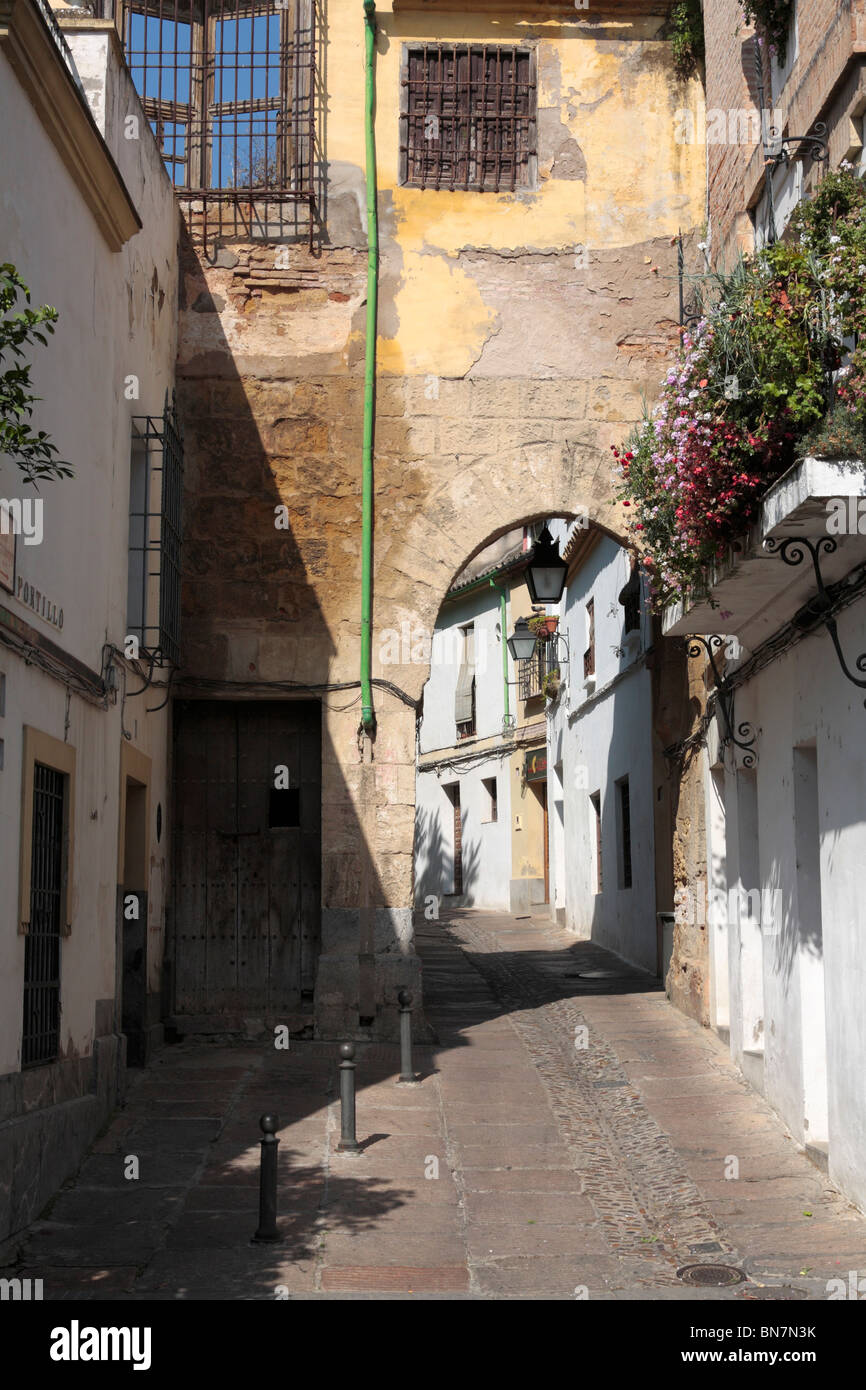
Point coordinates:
[[785, 776], [88, 219], [600, 765]]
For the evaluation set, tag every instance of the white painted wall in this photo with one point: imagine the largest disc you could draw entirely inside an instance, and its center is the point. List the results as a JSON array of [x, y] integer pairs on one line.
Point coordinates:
[[600, 736], [811, 956], [118, 313], [486, 844], [481, 607]]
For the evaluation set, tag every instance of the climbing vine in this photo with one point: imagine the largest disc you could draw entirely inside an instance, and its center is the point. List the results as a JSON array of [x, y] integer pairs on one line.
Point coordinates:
[[687, 37], [773, 19]]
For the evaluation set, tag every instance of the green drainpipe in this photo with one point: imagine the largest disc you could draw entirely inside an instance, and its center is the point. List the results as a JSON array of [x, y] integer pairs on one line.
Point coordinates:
[[503, 622], [367, 715]]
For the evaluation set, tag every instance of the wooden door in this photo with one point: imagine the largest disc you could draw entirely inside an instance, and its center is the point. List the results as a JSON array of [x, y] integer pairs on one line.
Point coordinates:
[[247, 856]]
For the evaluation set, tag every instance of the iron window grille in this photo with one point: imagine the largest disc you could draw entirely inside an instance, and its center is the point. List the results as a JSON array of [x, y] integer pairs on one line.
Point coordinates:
[[41, 1029], [468, 117], [531, 673], [230, 89], [155, 534], [589, 654]]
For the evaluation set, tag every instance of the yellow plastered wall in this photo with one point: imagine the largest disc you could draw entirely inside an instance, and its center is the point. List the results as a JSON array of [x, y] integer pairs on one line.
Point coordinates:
[[614, 92]]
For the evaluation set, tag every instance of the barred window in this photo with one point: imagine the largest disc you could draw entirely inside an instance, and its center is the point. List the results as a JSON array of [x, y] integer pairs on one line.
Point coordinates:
[[531, 673], [229, 89], [155, 534], [468, 117]]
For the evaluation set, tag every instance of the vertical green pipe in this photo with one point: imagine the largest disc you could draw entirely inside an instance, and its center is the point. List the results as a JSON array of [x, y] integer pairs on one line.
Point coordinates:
[[367, 715], [503, 624]]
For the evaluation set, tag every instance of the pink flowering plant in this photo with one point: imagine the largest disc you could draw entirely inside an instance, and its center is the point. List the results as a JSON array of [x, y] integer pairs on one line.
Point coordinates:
[[774, 358]]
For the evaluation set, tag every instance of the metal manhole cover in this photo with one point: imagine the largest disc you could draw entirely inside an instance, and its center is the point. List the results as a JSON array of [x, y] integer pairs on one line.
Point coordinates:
[[706, 1275]]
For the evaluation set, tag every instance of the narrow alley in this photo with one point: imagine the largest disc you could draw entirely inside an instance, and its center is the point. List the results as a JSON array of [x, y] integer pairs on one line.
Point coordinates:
[[572, 1136]]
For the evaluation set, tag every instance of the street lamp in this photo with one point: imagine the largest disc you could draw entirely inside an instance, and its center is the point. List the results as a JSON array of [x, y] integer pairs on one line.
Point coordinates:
[[522, 641], [545, 574]]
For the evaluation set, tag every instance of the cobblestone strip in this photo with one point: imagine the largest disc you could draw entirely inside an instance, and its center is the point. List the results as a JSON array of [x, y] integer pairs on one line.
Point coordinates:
[[632, 1174]]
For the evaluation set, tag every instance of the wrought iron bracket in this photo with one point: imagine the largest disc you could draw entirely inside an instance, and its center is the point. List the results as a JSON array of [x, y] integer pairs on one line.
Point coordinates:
[[815, 143], [793, 551], [725, 698]]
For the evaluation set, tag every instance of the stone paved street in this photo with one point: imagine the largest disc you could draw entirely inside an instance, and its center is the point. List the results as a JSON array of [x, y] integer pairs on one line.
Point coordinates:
[[582, 1127]]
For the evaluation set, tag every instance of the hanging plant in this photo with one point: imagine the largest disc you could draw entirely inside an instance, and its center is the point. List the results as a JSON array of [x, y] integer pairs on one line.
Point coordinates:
[[550, 685], [543, 625], [686, 22], [765, 376], [773, 20]]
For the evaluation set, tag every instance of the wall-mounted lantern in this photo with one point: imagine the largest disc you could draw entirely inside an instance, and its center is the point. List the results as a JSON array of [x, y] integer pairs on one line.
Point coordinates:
[[545, 574]]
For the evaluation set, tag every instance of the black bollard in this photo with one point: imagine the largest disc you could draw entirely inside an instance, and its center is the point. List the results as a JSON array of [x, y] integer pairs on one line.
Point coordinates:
[[404, 999], [268, 1181], [348, 1143]]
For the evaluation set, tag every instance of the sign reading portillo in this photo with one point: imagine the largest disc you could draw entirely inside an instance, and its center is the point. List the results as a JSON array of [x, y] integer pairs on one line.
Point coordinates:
[[41, 604]]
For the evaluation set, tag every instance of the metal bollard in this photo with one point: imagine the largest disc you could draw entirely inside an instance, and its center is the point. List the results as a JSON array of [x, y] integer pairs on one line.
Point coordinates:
[[268, 1181], [348, 1143], [404, 999]]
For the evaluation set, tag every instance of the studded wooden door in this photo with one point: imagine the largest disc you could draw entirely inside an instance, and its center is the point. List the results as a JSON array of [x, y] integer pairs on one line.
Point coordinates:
[[247, 856]]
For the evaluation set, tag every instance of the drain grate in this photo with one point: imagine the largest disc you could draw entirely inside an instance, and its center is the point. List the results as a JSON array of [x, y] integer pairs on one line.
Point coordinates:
[[705, 1275]]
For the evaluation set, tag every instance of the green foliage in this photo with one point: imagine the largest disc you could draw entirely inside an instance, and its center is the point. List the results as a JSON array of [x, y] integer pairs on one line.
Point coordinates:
[[775, 369], [32, 452], [687, 37], [772, 18]]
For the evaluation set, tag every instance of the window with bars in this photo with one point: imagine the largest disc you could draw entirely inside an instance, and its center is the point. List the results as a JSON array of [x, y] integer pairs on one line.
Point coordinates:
[[229, 87], [589, 654], [630, 599], [468, 117], [531, 673], [155, 534], [41, 1028]]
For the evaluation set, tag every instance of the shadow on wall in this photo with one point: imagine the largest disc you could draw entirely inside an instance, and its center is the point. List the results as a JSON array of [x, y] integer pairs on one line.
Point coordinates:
[[434, 864], [260, 436]]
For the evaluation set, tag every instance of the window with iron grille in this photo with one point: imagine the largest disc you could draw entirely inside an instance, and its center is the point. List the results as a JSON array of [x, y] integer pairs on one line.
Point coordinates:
[[155, 534], [229, 87], [468, 117], [41, 1030], [589, 654], [531, 673]]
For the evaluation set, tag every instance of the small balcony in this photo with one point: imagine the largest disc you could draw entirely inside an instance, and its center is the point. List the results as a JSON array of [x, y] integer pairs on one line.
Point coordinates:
[[753, 592]]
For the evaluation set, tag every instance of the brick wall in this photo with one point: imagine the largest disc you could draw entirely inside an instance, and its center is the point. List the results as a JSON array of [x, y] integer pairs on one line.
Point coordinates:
[[826, 83]]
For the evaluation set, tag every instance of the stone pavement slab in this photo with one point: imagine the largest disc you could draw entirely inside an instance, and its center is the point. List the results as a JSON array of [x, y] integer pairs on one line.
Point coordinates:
[[520, 1166]]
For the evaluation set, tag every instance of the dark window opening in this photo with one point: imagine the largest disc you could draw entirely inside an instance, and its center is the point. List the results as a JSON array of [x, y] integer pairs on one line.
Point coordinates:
[[468, 117], [625, 833], [284, 808], [41, 1033], [630, 599]]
